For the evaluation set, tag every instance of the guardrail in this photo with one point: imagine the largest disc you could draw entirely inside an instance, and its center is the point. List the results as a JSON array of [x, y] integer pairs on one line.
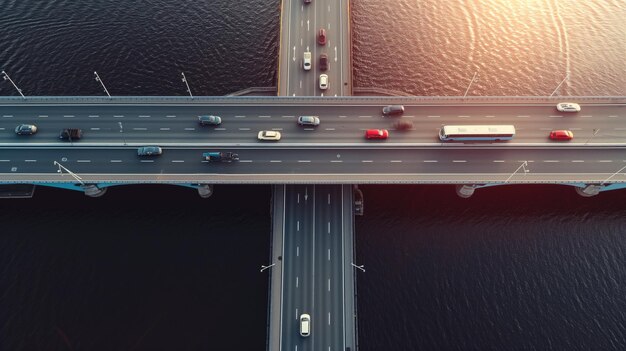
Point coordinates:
[[300, 100]]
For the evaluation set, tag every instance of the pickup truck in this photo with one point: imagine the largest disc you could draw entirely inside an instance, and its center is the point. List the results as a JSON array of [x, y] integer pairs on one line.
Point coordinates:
[[220, 156], [71, 134]]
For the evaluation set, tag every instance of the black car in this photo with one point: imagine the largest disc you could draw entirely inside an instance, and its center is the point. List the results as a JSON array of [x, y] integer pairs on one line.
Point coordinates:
[[71, 134], [323, 62], [210, 120], [26, 129]]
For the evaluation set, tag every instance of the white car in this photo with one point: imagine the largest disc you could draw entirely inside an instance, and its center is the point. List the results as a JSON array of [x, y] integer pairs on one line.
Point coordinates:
[[305, 325], [269, 135], [306, 62], [323, 81], [568, 107]]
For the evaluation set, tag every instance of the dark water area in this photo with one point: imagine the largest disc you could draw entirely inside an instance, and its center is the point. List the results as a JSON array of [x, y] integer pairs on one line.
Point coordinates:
[[156, 267], [511, 268], [141, 268]]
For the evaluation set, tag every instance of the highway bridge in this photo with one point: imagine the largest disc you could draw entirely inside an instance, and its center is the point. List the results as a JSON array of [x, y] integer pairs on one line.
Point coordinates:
[[312, 169]]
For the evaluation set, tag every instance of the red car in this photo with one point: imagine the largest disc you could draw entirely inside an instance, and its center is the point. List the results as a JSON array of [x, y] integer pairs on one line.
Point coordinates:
[[376, 134], [321, 36], [323, 62], [561, 135]]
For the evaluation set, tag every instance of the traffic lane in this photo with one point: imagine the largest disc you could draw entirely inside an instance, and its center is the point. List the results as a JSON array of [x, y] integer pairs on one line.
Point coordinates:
[[329, 300], [307, 161], [295, 262]]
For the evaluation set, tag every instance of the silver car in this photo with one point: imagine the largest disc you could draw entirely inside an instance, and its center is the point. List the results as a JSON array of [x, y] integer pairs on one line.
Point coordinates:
[[209, 120], [312, 121]]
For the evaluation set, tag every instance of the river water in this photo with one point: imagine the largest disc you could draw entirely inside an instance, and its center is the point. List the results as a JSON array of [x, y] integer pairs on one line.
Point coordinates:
[[156, 267]]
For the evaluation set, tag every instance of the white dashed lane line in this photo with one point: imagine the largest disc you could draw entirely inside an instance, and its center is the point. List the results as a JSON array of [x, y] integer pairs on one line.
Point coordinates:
[[116, 161], [30, 160], [164, 128], [83, 161], [458, 161], [147, 161], [244, 128], [144, 116], [140, 128], [499, 161], [94, 128], [178, 161], [430, 161], [118, 116], [170, 116], [93, 116]]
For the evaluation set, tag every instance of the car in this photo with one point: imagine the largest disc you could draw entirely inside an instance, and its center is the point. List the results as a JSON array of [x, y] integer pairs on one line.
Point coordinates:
[[71, 134], [568, 107], [376, 134], [323, 81], [561, 134], [269, 135], [217, 156], [209, 120], [149, 151], [393, 110], [323, 62], [403, 125], [321, 36], [305, 325], [313, 121], [26, 129], [306, 62]]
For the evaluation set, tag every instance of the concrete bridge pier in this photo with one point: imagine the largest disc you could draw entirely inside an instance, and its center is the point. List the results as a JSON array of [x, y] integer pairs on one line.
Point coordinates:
[[589, 190], [465, 191], [205, 190], [92, 190]]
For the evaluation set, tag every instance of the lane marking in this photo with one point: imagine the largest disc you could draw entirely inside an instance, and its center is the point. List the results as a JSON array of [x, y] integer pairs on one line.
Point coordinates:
[[190, 128], [433, 116], [396, 161], [304, 161], [288, 116], [95, 128], [265, 116], [431, 161], [490, 116], [277, 129], [578, 161], [330, 128], [170, 116], [140, 128], [118, 116], [244, 128], [276, 161], [498, 161], [93, 116], [5, 160], [464, 116], [240, 116], [144, 116], [365, 116], [164, 129], [7, 116], [43, 116], [83, 161], [116, 161], [586, 116], [148, 161], [343, 116], [30, 160], [551, 161], [219, 128], [605, 161], [178, 161], [69, 116], [336, 161], [246, 161], [329, 260], [457, 161], [367, 161], [555, 116]]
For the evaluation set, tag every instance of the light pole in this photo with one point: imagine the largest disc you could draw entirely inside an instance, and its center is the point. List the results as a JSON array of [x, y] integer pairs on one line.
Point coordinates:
[[469, 85], [263, 267], [187, 84], [523, 165], [61, 169], [558, 86], [361, 267], [6, 77], [595, 131], [102, 83], [122, 131], [612, 175]]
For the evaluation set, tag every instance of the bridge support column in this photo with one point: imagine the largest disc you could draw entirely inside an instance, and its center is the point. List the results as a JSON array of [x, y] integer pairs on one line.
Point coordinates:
[[205, 190], [465, 191], [589, 191], [92, 190]]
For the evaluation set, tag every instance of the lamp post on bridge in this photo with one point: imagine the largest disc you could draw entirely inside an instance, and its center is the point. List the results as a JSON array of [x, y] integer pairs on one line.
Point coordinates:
[[61, 169], [595, 131], [102, 83], [263, 267], [522, 166], [470, 84], [6, 77], [558, 86], [187, 84], [612, 175], [361, 267]]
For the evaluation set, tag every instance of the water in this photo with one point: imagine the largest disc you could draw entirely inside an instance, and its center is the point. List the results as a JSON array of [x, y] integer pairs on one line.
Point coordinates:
[[156, 267]]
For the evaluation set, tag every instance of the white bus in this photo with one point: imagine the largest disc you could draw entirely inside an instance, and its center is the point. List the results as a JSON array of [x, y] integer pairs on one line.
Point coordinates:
[[477, 132]]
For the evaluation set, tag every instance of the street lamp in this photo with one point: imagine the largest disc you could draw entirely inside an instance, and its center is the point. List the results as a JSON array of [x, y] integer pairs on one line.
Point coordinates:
[[522, 166], [595, 131], [6, 77], [361, 267], [612, 175], [61, 169], [102, 83], [122, 131], [187, 84], [558, 86], [469, 85], [263, 267]]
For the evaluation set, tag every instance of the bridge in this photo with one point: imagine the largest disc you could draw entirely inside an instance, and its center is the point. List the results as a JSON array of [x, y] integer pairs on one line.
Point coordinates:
[[312, 170]]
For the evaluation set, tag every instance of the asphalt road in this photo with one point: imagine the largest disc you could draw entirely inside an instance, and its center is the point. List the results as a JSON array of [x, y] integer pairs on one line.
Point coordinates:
[[313, 264], [339, 124]]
